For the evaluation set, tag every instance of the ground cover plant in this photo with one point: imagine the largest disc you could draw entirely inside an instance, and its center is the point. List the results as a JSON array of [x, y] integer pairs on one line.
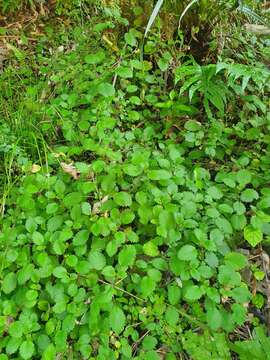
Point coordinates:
[[135, 208]]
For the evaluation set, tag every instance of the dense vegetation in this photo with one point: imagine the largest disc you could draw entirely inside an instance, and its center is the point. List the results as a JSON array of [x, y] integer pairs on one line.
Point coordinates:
[[134, 177]]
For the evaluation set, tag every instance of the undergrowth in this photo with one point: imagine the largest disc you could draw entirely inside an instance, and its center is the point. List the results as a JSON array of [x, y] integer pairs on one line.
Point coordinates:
[[132, 192]]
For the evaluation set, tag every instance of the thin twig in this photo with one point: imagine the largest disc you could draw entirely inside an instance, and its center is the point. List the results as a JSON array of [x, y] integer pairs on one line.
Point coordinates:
[[120, 289]]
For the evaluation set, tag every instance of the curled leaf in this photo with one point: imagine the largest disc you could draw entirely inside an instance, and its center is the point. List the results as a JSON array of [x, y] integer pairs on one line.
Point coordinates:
[[35, 168], [71, 170], [97, 205]]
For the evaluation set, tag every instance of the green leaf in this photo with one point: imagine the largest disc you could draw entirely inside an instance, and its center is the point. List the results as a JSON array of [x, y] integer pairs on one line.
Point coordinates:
[[174, 294], [81, 238], [224, 225], [86, 208], [147, 286], [238, 222], [9, 283], [149, 342], [236, 260], [124, 72], [265, 202], [130, 39], [243, 177], [97, 260], [49, 353], [117, 319], [106, 89], [127, 255], [72, 199], [239, 208], [172, 316], [228, 276], [214, 318], [3, 357], [239, 314], [215, 192], [163, 64], [60, 272], [108, 271], [13, 345], [253, 236], [193, 292], [132, 170], [241, 294], [16, 329], [249, 195], [51, 208], [127, 217], [37, 238], [150, 249], [30, 225], [187, 253], [123, 199], [96, 58], [27, 349], [54, 223], [152, 354], [192, 125], [159, 175]]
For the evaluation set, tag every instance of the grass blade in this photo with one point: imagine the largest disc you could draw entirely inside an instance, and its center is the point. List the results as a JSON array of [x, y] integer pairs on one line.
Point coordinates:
[[252, 14], [185, 11], [153, 16]]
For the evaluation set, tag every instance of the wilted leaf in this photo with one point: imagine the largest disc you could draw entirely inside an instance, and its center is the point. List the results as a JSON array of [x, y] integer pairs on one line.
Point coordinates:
[[71, 170]]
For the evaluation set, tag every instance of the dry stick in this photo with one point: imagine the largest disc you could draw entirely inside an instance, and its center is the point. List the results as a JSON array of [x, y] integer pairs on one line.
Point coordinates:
[[181, 312], [16, 37], [134, 346], [189, 317], [120, 289]]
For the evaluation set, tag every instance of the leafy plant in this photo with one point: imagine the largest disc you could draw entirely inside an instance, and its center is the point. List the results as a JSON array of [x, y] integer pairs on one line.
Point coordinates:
[[257, 348], [121, 238]]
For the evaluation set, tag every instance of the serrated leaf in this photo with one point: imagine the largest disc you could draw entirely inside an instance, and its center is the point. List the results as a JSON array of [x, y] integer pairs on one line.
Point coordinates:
[[249, 195], [214, 192], [159, 175], [150, 249], [253, 236], [106, 89], [127, 255], [236, 260], [9, 283], [228, 276], [243, 177], [123, 199], [27, 349], [132, 170], [172, 316], [187, 253], [97, 260], [81, 238], [96, 58], [124, 72], [193, 292], [192, 125], [174, 294], [117, 319], [147, 286]]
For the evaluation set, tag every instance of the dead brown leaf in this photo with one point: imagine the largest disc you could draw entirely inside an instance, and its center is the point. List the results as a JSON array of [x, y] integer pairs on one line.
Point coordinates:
[[97, 205], [35, 168], [71, 170]]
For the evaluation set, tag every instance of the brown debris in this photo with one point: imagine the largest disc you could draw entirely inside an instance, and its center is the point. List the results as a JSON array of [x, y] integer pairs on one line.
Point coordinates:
[[71, 170]]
